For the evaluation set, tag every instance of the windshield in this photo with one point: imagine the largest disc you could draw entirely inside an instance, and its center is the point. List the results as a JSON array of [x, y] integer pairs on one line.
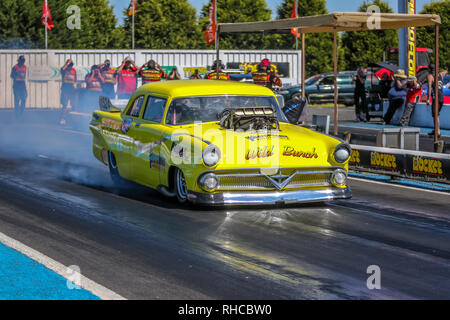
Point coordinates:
[[312, 80], [206, 109]]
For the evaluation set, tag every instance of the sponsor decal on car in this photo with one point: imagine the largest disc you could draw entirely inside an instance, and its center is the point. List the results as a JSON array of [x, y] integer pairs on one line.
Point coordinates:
[[266, 136], [291, 152], [126, 125], [259, 153], [157, 162], [115, 125]]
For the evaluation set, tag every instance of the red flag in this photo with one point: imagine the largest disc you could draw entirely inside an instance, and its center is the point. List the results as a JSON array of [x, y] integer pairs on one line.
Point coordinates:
[[210, 32], [133, 3], [294, 31], [46, 16]]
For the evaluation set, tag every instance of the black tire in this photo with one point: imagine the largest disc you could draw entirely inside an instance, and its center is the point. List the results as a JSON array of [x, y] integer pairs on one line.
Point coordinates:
[[179, 186], [295, 95], [113, 170], [299, 95]]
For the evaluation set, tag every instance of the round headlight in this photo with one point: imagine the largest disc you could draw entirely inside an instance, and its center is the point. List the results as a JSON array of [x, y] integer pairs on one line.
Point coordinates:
[[211, 155], [339, 178], [209, 182], [342, 153]]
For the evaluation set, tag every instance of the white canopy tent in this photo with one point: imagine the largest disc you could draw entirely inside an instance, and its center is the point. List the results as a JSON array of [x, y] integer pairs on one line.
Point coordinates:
[[338, 22]]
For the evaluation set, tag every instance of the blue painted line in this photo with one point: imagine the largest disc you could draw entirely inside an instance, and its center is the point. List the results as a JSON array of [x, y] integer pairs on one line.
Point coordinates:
[[22, 278], [381, 126], [403, 181]]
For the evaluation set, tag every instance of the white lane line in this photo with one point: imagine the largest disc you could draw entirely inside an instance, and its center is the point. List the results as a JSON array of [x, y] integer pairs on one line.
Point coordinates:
[[399, 185], [85, 283]]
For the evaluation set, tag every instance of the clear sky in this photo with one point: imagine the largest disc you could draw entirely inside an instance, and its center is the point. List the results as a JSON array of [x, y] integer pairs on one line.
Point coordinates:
[[332, 5]]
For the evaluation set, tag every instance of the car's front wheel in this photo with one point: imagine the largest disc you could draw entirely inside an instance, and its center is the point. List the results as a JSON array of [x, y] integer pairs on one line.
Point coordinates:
[[180, 186]]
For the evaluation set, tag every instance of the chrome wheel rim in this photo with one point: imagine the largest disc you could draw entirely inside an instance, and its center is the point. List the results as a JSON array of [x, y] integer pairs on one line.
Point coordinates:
[[181, 185]]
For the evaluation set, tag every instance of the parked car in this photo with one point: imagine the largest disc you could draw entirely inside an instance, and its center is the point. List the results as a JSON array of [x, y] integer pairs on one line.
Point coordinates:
[[218, 143], [446, 90], [320, 88]]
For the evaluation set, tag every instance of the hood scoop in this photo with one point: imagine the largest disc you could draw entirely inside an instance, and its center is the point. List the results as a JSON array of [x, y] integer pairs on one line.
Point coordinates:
[[249, 118]]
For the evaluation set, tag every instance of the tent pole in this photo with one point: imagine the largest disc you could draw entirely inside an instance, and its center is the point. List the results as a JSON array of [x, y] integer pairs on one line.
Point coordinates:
[[303, 65], [217, 41], [335, 83], [217, 53], [436, 87]]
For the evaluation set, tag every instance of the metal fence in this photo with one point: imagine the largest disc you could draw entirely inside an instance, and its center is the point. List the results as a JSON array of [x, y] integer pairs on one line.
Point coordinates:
[[44, 80]]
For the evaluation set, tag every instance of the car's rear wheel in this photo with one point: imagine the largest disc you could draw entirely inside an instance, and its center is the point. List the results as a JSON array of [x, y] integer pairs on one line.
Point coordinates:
[[180, 186], [113, 169]]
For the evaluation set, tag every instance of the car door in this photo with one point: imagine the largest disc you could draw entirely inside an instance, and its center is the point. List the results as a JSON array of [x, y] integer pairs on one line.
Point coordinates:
[[325, 89], [346, 88], [127, 146], [148, 133]]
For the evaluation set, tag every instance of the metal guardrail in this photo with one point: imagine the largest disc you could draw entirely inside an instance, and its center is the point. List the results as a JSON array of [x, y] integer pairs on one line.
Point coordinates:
[[411, 164]]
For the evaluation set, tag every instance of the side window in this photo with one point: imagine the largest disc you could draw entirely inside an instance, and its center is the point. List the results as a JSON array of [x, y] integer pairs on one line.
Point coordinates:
[[135, 110], [327, 81], [344, 80], [154, 110]]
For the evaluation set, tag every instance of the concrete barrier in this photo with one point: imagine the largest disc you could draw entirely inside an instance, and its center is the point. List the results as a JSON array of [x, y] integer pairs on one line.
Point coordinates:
[[419, 165], [421, 116]]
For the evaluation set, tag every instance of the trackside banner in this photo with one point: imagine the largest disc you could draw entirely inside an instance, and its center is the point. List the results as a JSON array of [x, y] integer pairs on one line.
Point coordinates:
[[404, 163]]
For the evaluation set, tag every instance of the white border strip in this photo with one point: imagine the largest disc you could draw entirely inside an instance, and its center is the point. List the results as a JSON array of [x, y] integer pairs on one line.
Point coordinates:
[[397, 185], [85, 283], [442, 156]]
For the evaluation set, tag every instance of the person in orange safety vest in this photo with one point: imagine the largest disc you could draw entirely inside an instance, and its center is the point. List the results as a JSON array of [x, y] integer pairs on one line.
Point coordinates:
[[217, 75], [69, 79], [264, 76], [18, 74], [94, 81], [152, 72], [109, 76]]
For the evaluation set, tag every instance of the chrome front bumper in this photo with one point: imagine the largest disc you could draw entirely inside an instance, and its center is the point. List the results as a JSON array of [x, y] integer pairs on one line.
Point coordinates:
[[269, 197]]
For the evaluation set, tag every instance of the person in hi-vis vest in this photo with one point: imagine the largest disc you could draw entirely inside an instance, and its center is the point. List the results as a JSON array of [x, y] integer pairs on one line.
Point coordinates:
[[109, 76], [152, 72], [19, 74], [264, 76], [219, 74], [94, 82], [69, 79]]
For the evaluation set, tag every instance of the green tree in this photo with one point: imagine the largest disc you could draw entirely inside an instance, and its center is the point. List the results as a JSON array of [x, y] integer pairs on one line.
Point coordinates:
[[426, 35], [364, 47], [164, 24], [98, 24], [239, 11], [319, 46], [20, 25]]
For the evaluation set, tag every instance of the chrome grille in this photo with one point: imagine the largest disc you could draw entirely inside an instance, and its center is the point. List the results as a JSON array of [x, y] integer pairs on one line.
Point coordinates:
[[283, 179]]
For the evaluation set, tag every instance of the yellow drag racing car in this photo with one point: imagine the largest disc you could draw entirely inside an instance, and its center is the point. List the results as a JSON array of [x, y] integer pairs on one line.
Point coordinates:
[[218, 143]]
